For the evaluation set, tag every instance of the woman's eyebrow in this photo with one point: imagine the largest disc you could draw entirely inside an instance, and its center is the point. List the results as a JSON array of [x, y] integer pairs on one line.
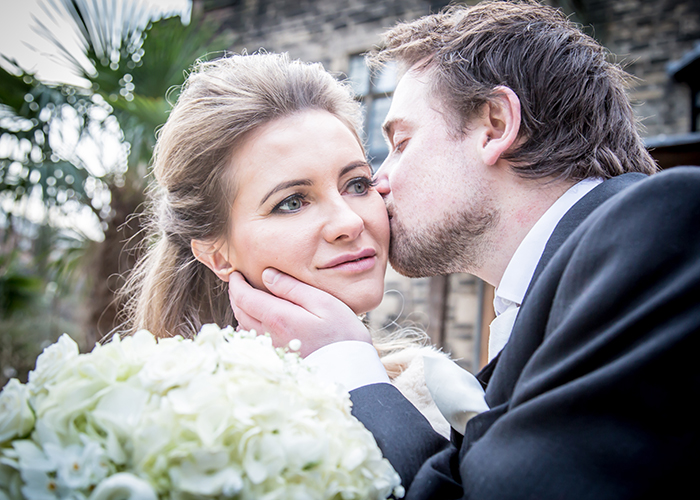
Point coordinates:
[[307, 182], [352, 166], [284, 185]]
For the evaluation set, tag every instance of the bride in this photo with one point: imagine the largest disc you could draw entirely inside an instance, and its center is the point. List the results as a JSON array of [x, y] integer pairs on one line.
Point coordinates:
[[259, 165]]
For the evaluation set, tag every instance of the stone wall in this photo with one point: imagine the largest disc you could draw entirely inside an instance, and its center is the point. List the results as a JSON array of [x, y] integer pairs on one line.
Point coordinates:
[[316, 30], [645, 35]]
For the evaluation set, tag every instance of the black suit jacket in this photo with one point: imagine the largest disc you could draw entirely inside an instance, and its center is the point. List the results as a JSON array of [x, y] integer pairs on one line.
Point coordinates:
[[592, 396]]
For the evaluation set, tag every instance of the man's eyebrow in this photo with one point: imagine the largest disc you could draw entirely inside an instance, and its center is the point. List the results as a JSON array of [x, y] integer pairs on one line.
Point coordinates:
[[284, 185], [388, 129]]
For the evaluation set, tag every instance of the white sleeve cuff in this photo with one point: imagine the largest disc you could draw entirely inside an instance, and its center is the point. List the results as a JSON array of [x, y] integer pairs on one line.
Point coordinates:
[[350, 363]]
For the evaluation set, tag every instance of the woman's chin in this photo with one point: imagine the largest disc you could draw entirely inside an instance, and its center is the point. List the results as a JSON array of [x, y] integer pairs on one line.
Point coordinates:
[[365, 304]]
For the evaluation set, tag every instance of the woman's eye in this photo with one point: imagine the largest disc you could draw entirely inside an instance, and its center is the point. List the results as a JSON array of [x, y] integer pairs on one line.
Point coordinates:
[[360, 185], [291, 204]]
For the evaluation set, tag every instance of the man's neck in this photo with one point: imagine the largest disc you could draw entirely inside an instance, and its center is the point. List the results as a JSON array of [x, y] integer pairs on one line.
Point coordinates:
[[522, 203]]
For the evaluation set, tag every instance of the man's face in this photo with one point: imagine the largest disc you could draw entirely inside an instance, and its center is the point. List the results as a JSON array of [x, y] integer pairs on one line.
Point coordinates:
[[434, 185]]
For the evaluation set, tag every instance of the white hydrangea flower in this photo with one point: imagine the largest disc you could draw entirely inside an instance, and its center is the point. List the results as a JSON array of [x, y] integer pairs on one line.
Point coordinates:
[[124, 486], [174, 363], [208, 474], [16, 417], [52, 361], [78, 466], [39, 485], [10, 480], [130, 352], [30, 457], [225, 414]]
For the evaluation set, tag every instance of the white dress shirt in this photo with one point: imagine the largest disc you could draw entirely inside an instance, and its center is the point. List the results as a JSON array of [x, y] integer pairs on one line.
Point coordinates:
[[355, 365], [517, 276], [350, 363]]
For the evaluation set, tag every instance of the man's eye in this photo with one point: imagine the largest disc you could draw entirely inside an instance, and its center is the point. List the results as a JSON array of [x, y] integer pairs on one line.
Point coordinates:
[[290, 204], [399, 146]]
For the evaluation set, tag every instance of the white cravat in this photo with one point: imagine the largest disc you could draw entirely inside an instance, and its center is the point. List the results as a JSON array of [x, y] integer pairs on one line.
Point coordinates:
[[456, 392]]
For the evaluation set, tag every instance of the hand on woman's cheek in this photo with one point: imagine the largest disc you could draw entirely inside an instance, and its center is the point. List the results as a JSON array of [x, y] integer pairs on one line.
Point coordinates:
[[302, 312]]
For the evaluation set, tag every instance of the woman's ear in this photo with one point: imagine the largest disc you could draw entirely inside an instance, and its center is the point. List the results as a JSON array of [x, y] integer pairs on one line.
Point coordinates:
[[214, 256], [502, 124]]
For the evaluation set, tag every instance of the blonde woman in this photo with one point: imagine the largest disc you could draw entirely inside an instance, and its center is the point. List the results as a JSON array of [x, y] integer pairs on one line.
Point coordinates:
[[260, 164]]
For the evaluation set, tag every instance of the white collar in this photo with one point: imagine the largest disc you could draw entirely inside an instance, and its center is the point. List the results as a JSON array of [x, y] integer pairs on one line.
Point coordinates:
[[517, 276]]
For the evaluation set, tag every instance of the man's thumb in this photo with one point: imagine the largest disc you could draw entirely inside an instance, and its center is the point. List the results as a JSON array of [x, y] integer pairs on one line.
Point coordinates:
[[270, 276]]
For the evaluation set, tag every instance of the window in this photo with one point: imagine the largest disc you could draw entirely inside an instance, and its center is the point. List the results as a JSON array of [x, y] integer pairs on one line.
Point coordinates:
[[374, 92]]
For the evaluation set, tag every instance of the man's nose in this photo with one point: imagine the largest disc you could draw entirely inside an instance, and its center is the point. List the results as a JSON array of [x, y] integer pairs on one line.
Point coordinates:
[[381, 179]]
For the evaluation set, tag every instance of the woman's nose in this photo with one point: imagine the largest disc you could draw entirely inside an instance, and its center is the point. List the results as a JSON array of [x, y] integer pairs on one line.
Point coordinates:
[[343, 223]]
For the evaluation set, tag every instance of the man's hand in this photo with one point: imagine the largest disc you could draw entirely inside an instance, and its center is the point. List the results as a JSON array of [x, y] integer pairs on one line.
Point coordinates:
[[295, 311]]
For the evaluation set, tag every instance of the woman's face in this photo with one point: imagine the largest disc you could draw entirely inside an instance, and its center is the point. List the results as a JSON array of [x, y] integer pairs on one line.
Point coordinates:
[[305, 205]]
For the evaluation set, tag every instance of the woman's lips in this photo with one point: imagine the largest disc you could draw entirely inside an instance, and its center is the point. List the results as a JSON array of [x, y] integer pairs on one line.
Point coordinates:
[[353, 262], [356, 266]]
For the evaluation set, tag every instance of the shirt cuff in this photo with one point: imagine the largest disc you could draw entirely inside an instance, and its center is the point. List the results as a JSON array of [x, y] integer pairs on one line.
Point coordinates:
[[350, 363]]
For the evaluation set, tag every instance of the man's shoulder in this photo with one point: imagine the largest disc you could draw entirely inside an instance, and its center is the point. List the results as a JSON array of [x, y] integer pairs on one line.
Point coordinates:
[[681, 181], [651, 198], [639, 244], [644, 226], [625, 197]]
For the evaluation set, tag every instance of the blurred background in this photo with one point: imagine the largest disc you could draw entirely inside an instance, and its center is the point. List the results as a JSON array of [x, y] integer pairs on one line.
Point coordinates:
[[84, 85]]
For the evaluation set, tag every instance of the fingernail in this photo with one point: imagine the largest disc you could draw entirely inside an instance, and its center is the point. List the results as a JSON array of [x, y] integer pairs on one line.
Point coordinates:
[[270, 275]]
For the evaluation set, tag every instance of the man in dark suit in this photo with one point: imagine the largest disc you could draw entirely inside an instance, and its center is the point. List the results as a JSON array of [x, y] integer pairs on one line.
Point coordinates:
[[515, 157]]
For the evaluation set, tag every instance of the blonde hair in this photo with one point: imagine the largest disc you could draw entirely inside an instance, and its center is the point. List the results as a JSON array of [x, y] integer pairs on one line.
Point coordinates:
[[169, 292]]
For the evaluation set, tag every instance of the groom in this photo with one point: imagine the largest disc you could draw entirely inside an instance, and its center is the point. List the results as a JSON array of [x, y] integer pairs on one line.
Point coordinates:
[[515, 157]]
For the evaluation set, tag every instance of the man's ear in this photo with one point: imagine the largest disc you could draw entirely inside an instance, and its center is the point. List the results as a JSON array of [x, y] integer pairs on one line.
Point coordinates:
[[502, 124], [214, 256]]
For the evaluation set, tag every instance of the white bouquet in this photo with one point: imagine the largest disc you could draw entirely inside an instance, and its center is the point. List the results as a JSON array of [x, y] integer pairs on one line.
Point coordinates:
[[225, 415]]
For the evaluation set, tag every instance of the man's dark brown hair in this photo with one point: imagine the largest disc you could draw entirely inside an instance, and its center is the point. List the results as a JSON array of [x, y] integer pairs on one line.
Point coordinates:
[[577, 121]]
